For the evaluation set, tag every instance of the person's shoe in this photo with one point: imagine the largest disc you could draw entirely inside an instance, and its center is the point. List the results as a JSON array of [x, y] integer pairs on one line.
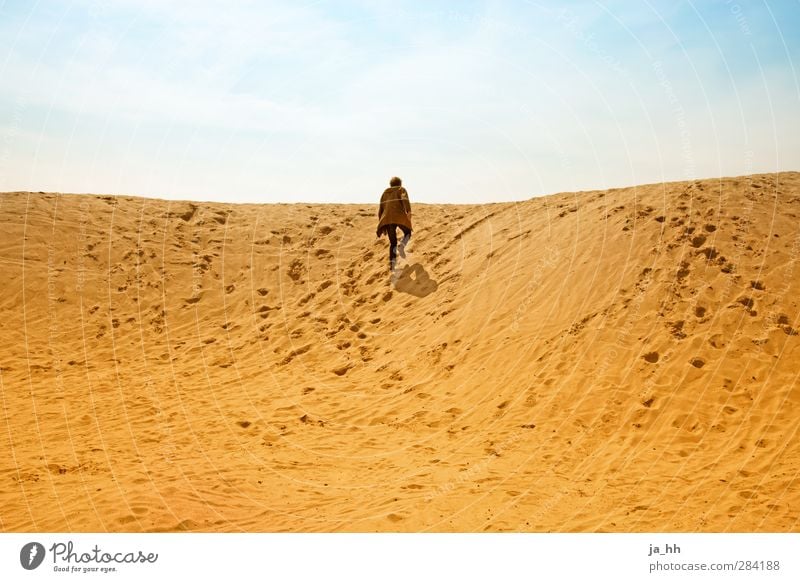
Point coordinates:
[[392, 263], [401, 250]]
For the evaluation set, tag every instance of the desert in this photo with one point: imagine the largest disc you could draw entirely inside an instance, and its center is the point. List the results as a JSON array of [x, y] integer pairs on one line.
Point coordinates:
[[595, 361]]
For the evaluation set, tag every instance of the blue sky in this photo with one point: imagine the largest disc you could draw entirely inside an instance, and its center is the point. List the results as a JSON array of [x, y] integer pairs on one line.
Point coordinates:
[[324, 101]]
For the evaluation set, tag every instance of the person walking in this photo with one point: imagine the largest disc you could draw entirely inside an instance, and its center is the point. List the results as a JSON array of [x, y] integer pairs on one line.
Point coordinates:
[[394, 212]]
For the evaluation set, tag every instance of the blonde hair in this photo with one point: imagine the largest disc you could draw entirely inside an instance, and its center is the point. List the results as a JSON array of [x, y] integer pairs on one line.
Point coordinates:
[[395, 181]]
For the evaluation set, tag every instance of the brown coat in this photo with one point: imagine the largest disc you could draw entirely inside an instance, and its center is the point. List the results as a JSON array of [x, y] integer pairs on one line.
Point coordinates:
[[394, 209]]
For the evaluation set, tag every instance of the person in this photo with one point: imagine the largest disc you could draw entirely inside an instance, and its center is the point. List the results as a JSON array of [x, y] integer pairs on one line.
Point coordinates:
[[395, 211]]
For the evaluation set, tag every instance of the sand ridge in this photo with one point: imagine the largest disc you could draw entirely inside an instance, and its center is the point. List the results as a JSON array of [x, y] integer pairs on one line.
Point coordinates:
[[619, 360]]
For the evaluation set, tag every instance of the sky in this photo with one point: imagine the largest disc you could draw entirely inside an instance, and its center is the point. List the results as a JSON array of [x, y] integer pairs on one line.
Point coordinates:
[[468, 102]]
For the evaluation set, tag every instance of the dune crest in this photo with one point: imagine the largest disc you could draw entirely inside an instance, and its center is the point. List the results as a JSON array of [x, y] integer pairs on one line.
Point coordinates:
[[620, 360]]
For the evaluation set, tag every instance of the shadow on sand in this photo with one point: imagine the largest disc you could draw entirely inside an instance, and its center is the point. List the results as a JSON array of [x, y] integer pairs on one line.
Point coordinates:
[[414, 280]]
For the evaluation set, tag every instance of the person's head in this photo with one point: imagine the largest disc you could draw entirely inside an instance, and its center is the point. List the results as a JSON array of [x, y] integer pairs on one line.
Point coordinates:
[[395, 182]]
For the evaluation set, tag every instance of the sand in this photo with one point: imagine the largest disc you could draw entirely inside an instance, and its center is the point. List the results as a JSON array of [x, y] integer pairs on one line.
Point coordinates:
[[620, 360]]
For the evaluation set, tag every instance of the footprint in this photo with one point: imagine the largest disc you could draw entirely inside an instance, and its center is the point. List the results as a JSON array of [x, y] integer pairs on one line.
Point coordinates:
[[710, 253], [127, 519], [342, 370], [717, 341], [679, 421], [698, 241], [296, 270], [697, 362]]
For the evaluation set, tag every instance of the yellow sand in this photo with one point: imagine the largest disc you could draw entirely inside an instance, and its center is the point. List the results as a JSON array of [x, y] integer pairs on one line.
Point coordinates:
[[623, 360]]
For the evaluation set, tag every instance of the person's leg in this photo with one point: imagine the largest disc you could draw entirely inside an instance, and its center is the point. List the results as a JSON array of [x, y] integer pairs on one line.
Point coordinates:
[[406, 238], [391, 230]]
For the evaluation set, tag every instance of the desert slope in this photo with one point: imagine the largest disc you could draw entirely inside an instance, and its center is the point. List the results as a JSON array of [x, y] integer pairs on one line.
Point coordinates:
[[622, 360]]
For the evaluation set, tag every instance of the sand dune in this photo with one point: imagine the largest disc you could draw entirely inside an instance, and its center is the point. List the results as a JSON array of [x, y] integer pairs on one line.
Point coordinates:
[[621, 360]]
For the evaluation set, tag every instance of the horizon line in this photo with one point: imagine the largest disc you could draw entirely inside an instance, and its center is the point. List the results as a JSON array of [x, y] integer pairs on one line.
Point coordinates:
[[313, 203]]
